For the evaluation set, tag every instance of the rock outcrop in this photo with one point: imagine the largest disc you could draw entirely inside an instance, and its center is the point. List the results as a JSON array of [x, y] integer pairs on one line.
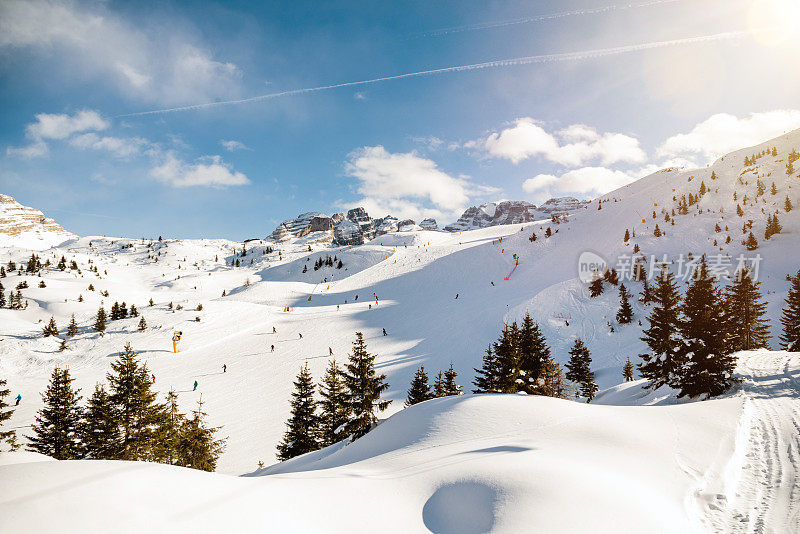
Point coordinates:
[[28, 227]]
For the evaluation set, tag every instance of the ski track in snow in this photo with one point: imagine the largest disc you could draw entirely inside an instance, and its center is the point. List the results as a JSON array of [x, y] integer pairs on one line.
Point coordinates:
[[765, 499]]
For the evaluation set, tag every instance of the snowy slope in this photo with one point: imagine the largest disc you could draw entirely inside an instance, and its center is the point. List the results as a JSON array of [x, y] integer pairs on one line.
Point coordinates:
[[471, 464], [416, 276]]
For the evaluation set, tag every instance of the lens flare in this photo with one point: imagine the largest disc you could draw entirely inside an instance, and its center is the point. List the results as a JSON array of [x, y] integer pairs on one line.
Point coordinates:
[[782, 15]]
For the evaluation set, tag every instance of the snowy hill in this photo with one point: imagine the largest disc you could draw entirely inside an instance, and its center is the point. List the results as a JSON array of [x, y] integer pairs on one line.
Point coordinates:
[[28, 228], [685, 455]]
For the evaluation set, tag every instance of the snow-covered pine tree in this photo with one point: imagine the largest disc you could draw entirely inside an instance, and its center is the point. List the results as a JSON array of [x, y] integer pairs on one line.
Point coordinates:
[[99, 432], [625, 312], [627, 370], [790, 317], [532, 352], [168, 433], [100, 320], [551, 380], [611, 276], [660, 365], [450, 386], [364, 388], [704, 349], [198, 448], [51, 329], [420, 390], [787, 205], [8, 438], [302, 428], [746, 311], [56, 430], [334, 410], [138, 413], [142, 324]]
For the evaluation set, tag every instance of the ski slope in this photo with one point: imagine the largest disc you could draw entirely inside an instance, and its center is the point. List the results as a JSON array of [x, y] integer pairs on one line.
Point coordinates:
[[723, 465]]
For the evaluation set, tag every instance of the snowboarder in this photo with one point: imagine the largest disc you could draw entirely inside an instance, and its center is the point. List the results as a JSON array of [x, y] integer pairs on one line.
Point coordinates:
[[384, 331], [195, 386], [272, 348], [19, 398], [224, 368]]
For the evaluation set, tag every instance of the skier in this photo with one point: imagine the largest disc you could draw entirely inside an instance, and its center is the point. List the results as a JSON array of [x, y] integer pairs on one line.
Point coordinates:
[[274, 331], [301, 336], [384, 331], [153, 377], [370, 306], [356, 298], [195, 386], [330, 351], [272, 348], [224, 368], [337, 307], [19, 398], [492, 283], [456, 296]]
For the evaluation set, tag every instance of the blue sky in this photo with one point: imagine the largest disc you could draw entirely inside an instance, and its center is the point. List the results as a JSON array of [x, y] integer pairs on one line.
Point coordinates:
[[75, 76]]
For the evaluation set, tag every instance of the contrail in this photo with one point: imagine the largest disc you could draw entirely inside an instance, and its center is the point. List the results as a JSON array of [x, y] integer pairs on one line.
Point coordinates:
[[543, 18], [548, 58]]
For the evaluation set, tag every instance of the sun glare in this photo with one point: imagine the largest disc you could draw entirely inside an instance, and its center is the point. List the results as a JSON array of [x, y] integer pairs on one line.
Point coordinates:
[[780, 20]]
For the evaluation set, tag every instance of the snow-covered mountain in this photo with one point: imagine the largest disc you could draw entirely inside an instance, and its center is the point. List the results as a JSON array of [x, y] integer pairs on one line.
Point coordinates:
[[26, 227], [497, 462], [512, 212]]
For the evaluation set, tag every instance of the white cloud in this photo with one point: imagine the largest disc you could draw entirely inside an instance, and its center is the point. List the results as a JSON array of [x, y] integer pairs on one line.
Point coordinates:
[[359, 95], [587, 182], [724, 133], [407, 185], [208, 171], [582, 143], [122, 147], [232, 146], [56, 126], [151, 62]]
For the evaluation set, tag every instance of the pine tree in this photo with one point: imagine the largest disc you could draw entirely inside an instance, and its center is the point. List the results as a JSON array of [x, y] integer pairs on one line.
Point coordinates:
[[657, 231], [72, 329], [790, 168], [168, 429], [506, 353], [533, 351], [364, 388], [450, 386], [790, 318], [705, 332], [335, 411], [551, 380], [627, 236], [51, 329], [596, 287], [660, 365], [625, 312], [55, 432], [138, 413], [746, 311], [197, 446], [7, 437], [420, 390], [787, 205], [2, 296], [751, 243], [485, 380], [99, 431], [627, 370], [739, 210], [773, 190], [438, 385], [100, 320], [578, 364], [142, 324], [302, 428]]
